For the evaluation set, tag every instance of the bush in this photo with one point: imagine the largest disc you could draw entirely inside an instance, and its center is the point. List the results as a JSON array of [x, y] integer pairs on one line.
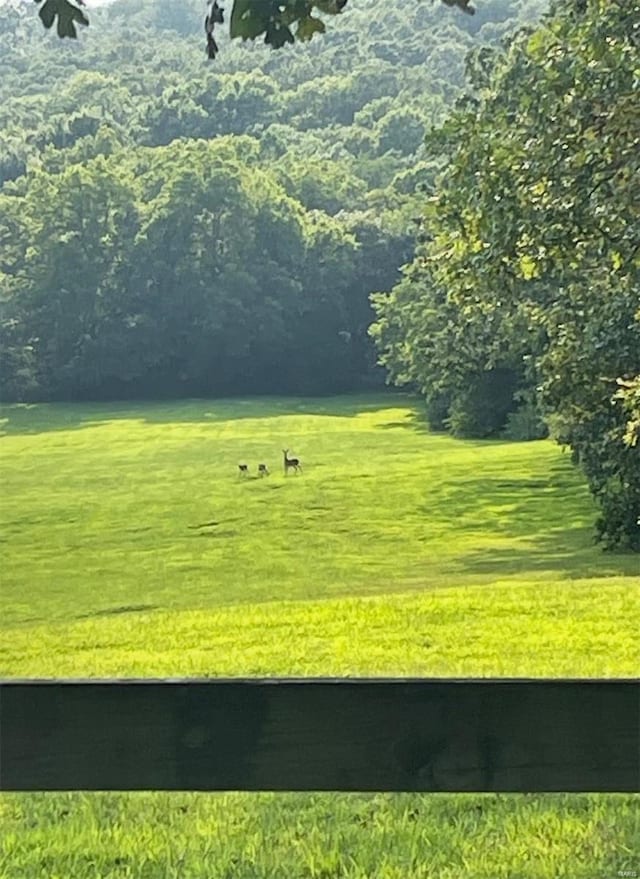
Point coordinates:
[[482, 408], [526, 423], [437, 410], [618, 526]]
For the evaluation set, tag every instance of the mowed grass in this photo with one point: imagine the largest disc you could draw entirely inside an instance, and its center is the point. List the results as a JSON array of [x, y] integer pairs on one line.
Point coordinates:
[[317, 836], [396, 552], [101, 508]]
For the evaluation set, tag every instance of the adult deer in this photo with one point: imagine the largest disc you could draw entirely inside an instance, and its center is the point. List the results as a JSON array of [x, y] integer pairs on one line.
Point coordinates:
[[291, 463]]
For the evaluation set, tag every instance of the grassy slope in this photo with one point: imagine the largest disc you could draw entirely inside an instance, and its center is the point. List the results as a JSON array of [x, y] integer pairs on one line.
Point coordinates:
[[397, 552]]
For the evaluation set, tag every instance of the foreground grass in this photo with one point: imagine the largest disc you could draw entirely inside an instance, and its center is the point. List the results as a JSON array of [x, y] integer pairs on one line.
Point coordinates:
[[311, 836], [397, 552]]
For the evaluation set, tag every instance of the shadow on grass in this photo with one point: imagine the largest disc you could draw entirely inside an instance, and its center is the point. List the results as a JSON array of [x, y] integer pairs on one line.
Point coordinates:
[[34, 418], [114, 611], [414, 421], [547, 519], [571, 554]]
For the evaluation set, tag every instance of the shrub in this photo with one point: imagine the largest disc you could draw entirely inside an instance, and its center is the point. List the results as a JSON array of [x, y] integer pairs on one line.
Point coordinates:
[[481, 409], [526, 422]]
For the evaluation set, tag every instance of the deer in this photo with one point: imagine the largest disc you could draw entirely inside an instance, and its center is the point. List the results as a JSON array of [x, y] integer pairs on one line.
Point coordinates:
[[243, 470], [263, 470], [291, 463]]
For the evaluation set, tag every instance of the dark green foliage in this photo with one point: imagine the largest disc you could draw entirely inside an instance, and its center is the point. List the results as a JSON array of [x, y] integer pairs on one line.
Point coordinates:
[[68, 15], [481, 409], [526, 422], [144, 253], [437, 407], [175, 272]]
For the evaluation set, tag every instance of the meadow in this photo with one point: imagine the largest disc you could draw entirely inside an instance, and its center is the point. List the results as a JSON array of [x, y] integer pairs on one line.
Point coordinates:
[[131, 546]]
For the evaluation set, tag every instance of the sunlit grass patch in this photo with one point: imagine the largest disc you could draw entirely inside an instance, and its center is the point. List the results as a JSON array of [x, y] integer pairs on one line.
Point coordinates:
[[108, 507], [298, 836], [585, 628]]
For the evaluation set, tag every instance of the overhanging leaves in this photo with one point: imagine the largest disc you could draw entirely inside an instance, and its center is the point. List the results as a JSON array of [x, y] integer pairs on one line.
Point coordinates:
[[250, 19], [68, 15], [308, 27], [275, 19]]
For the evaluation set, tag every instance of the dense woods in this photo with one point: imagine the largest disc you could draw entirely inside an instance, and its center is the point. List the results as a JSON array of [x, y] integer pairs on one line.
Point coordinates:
[[170, 227], [176, 227]]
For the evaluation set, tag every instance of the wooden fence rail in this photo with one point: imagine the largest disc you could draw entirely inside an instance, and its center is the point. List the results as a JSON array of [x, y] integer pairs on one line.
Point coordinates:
[[321, 734]]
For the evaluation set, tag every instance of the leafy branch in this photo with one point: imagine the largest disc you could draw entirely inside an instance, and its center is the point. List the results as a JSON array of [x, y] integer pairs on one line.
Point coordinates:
[[280, 21], [68, 15]]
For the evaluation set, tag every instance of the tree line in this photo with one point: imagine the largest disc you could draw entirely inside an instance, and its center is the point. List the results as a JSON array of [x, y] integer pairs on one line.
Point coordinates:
[[182, 270]]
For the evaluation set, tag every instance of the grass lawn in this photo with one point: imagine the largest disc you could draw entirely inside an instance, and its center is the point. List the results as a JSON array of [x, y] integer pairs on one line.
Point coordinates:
[[131, 547]]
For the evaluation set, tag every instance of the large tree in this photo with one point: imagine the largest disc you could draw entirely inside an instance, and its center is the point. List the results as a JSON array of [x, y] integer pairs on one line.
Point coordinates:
[[532, 267], [174, 270]]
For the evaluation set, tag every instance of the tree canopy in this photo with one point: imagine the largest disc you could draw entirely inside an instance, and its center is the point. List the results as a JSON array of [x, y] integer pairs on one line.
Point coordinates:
[[170, 227]]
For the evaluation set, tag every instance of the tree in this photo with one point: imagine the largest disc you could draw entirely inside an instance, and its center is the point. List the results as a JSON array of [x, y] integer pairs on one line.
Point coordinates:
[[531, 258], [169, 271]]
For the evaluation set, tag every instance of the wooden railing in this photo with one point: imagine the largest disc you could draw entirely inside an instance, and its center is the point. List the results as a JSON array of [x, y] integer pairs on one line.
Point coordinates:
[[321, 734]]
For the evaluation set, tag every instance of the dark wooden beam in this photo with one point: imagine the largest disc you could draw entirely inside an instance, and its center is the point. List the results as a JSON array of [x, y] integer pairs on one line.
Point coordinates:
[[348, 735]]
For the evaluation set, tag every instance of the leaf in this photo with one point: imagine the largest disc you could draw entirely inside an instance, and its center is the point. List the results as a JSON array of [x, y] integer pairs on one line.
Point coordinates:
[[277, 35], [216, 14], [249, 19], [308, 27], [464, 5], [68, 16], [537, 42], [212, 47], [214, 17], [331, 7], [528, 268]]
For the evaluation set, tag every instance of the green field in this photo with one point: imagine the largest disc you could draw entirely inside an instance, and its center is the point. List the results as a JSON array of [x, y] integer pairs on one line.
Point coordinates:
[[132, 547]]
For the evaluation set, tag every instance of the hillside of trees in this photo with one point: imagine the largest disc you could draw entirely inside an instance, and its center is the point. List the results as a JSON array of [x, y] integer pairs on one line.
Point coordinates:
[[171, 225], [456, 196]]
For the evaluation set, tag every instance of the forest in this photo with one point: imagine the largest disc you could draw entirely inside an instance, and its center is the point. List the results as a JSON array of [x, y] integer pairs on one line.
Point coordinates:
[[445, 202]]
